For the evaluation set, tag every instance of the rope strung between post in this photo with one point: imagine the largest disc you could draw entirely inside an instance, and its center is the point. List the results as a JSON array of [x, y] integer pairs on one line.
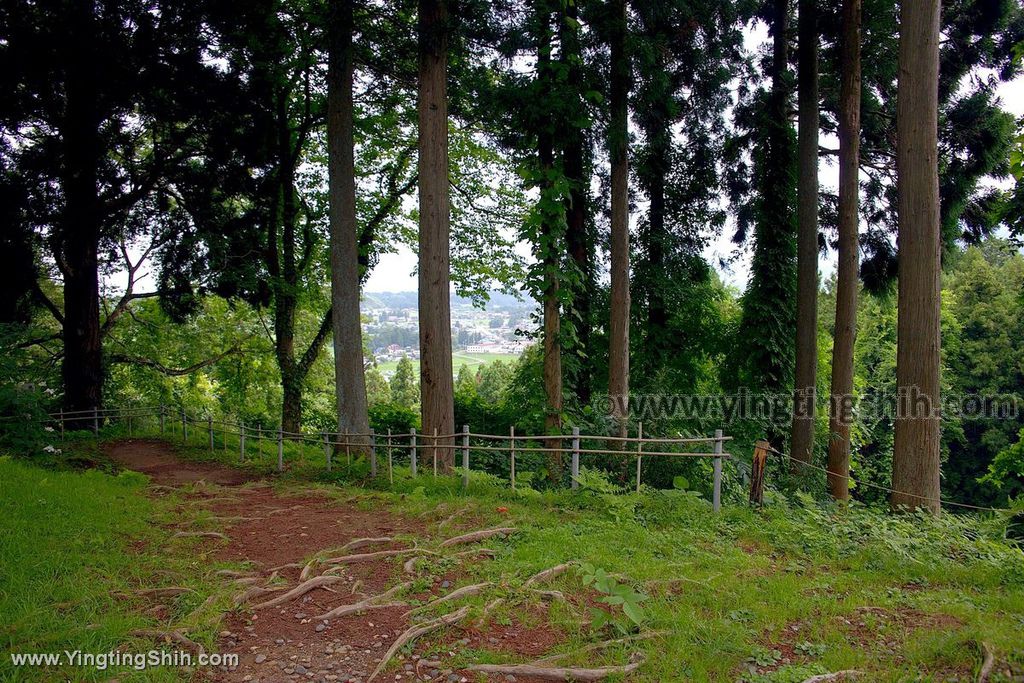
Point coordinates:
[[885, 488]]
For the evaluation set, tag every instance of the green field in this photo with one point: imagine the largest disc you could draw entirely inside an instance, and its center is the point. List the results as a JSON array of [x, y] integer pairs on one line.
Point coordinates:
[[459, 358]]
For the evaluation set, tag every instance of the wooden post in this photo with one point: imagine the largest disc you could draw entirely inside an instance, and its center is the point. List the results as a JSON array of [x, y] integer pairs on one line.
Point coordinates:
[[435, 452], [465, 457], [373, 453], [575, 457], [716, 493], [348, 448], [757, 470], [512, 456], [280, 449], [163, 412], [391, 467], [129, 425], [224, 434], [95, 421], [241, 442], [327, 450], [259, 441], [209, 428], [639, 452], [62, 424], [412, 451]]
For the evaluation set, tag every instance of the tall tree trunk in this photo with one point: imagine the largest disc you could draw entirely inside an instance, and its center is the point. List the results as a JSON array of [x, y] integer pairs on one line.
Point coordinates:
[[285, 294], [806, 368], [915, 460], [436, 390], [579, 242], [618, 146], [82, 366], [841, 394], [549, 249], [349, 377]]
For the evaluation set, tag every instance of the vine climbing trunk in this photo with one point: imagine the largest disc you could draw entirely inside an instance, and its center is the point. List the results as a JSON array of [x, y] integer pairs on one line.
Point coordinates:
[[915, 460], [841, 393], [436, 386], [806, 362], [349, 377]]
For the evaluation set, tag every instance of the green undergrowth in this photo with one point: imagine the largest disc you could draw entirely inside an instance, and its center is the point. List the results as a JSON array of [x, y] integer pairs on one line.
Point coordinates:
[[779, 594], [75, 549]]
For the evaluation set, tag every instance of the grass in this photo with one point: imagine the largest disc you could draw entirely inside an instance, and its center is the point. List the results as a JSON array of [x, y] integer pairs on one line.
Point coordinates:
[[778, 594], [74, 549]]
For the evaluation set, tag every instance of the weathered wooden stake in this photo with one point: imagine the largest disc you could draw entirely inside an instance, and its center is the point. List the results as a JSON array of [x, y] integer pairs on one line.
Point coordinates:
[[465, 457], [184, 426], [61, 425], [129, 425], [512, 455], [327, 449], [348, 448], [209, 428], [373, 453], [95, 421], [575, 457], [757, 470], [412, 451], [716, 494], [163, 411], [241, 441], [435, 452]]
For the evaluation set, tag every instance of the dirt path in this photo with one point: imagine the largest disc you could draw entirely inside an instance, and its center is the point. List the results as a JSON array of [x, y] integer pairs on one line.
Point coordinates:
[[274, 534]]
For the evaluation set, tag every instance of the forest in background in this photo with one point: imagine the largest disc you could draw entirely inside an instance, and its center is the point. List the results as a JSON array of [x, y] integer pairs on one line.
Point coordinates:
[[258, 160]]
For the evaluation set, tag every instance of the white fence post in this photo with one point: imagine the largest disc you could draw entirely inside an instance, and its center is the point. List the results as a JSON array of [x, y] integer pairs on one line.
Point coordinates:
[[391, 467], [280, 449], [465, 457], [512, 455], [373, 453], [639, 452], [575, 457], [716, 494], [412, 451]]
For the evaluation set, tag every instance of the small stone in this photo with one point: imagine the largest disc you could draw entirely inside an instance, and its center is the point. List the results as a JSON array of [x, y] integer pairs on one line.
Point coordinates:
[[320, 627], [299, 669], [300, 615], [225, 634], [446, 584], [510, 679], [260, 658], [279, 641], [289, 670]]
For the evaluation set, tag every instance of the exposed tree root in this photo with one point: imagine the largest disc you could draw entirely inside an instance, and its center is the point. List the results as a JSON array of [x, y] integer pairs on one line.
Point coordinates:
[[559, 673], [488, 608], [170, 636], [253, 592], [410, 565], [547, 574], [465, 591], [361, 542], [415, 632], [200, 534], [362, 557], [290, 565], [835, 676], [299, 591], [367, 603], [247, 580], [549, 596], [277, 511], [987, 665], [646, 635], [308, 569], [165, 592], [482, 552], [206, 604], [230, 573], [475, 536]]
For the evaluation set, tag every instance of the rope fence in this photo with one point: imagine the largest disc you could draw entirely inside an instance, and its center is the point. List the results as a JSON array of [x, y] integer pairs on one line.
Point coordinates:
[[413, 449]]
